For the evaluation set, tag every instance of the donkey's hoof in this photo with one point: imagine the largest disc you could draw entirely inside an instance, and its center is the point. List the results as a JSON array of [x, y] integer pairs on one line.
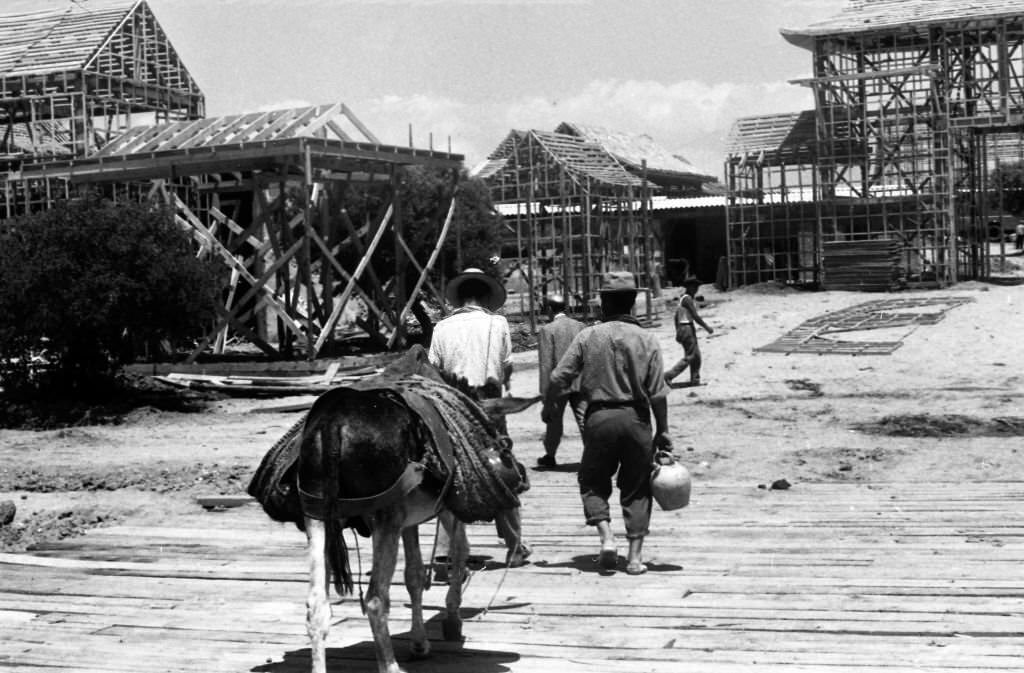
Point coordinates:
[[451, 627], [419, 650]]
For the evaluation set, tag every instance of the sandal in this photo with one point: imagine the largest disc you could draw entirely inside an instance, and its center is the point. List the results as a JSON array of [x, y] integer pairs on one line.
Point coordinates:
[[636, 568]]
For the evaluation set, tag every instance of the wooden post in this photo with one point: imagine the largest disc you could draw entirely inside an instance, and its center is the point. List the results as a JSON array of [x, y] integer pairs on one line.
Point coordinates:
[[350, 286], [398, 337], [414, 295], [529, 238], [306, 265]]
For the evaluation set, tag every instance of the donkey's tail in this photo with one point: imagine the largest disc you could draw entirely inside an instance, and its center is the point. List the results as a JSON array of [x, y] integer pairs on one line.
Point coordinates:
[[337, 556]]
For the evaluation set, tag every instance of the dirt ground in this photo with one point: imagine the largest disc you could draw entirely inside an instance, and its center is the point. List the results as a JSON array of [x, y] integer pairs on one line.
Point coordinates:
[[945, 406]]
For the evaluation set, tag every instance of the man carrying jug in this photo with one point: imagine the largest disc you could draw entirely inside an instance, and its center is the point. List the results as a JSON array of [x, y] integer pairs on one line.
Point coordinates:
[[622, 381]]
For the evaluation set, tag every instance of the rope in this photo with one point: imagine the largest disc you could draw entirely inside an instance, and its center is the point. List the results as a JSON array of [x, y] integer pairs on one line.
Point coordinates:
[[359, 567], [501, 581]]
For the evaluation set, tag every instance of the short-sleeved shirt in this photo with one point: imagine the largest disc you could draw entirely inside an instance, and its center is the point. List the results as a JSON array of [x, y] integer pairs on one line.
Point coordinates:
[[472, 345], [616, 362]]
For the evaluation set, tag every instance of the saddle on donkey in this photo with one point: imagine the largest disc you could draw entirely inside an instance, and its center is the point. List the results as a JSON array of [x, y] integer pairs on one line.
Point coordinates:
[[460, 454]]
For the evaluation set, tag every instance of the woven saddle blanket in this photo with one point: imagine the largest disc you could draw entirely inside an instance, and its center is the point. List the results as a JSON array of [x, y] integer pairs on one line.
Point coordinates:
[[462, 449]]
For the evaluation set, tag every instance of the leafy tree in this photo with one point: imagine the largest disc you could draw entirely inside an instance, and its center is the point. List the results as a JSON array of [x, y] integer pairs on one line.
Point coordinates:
[[1009, 178], [88, 283]]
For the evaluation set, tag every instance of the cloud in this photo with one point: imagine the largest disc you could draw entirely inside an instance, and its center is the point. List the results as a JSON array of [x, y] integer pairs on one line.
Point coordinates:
[[689, 117]]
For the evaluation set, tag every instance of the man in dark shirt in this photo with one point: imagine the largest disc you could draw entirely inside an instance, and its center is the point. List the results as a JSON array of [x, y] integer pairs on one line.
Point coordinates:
[[552, 341], [622, 381]]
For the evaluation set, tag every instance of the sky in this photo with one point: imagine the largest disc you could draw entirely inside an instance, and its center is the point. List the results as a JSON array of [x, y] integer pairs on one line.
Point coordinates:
[[680, 71]]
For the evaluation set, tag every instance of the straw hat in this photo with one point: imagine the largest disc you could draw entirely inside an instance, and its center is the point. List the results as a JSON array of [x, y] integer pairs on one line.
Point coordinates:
[[495, 298], [618, 281]]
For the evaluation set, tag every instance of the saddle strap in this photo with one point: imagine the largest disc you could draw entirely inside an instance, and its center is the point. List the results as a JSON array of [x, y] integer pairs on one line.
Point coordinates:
[[346, 508]]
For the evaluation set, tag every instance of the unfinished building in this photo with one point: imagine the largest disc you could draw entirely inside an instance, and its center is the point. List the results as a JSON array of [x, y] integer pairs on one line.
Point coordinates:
[[74, 78], [918, 106], [577, 203], [97, 98]]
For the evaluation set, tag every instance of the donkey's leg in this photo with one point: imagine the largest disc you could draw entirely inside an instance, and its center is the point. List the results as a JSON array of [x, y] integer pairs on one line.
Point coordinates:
[[414, 581], [458, 556], [386, 533], [318, 610]]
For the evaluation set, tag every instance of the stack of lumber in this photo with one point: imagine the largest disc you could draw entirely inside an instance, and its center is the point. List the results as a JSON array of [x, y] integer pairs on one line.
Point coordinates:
[[268, 386], [871, 266]]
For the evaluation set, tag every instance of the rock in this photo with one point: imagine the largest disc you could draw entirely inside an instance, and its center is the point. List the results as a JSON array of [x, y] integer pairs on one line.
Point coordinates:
[[780, 485], [7, 512]]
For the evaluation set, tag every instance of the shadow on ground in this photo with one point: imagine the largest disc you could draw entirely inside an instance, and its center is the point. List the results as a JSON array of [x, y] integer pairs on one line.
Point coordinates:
[[587, 563], [361, 658], [560, 467]]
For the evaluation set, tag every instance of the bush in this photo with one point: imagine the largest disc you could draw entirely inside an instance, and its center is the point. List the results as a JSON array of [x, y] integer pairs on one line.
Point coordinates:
[[86, 285]]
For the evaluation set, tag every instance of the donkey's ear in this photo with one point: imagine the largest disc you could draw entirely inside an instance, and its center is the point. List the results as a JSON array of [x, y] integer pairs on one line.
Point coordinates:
[[502, 406]]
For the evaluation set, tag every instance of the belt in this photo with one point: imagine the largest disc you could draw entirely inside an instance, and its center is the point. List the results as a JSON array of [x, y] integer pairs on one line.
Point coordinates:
[[640, 406]]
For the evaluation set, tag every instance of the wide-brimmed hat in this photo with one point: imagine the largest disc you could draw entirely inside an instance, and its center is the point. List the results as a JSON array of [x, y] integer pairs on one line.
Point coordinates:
[[618, 281], [555, 299], [692, 281], [495, 298]]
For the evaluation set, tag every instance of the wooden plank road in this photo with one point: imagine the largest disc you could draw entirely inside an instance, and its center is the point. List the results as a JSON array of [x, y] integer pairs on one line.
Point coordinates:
[[879, 577]]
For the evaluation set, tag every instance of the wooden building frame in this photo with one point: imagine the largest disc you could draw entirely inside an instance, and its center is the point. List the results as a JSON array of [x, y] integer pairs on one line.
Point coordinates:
[[577, 213], [772, 232], [264, 192], [914, 100], [74, 78]]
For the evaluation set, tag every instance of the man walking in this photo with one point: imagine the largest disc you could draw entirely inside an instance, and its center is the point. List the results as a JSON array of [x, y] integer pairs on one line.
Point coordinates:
[[472, 348], [622, 381], [552, 341]]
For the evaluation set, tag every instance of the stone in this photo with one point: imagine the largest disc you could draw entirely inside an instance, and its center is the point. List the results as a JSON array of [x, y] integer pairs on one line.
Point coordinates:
[[7, 512]]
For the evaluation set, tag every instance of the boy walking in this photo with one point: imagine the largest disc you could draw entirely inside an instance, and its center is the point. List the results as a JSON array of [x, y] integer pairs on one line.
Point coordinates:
[[686, 320]]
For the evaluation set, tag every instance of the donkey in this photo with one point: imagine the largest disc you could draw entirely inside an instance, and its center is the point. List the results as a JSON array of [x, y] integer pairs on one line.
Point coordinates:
[[367, 447]]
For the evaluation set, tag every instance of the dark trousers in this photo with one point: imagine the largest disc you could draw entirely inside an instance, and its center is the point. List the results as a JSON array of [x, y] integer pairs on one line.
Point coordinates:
[[554, 428], [687, 336], [617, 440]]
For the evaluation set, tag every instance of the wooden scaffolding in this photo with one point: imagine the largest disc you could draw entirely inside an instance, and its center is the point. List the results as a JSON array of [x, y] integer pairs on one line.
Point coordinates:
[[576, 213], [771, 206], [74, 78], [267, 193], [914, 101]]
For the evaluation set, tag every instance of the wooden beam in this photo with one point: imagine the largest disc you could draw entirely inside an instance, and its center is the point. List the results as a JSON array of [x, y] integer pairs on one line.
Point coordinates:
[[343, 299], [426, 270]]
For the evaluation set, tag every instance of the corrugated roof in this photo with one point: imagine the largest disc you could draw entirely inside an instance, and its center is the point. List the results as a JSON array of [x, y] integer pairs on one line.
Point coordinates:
[[61, 39], [788, 134], [687, 203], [632, 149], [862, 16], [657, 203]]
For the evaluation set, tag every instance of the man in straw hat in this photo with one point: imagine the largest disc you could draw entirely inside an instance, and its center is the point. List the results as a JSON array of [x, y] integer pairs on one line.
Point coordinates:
[[473, 346], [553, 340], [621, 378], [473, 350], [686, 320]]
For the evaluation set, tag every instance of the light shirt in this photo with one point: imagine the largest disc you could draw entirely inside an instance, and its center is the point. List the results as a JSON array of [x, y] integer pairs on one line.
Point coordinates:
[[472, 344], [616, 361], [685, 311]]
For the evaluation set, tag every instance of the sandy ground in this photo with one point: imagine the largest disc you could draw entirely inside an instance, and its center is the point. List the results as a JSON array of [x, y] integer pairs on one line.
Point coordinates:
[[760, 417]]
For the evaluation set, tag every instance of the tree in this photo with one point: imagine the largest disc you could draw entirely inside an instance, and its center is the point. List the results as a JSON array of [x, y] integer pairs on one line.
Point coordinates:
[[90, 282]]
